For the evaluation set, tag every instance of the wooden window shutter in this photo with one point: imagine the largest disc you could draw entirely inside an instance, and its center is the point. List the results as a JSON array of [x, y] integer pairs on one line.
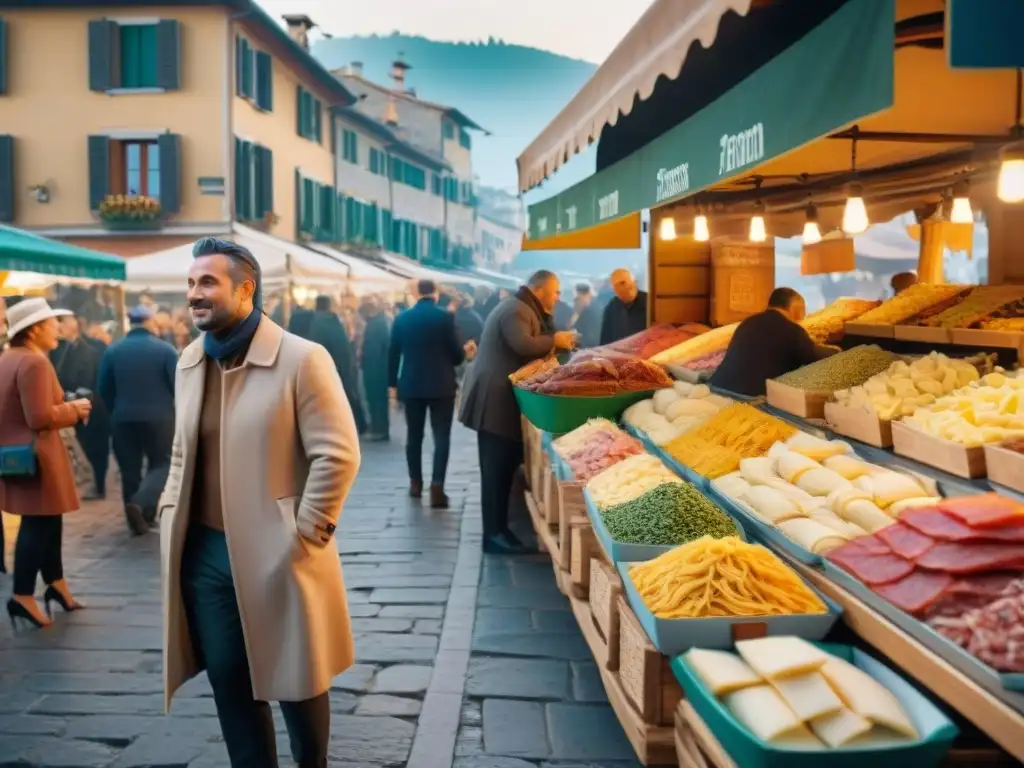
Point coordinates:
[[99, 170], [3, 57], [104, 55], [7, 179], [264, 81], [169, 147], [168, 54]]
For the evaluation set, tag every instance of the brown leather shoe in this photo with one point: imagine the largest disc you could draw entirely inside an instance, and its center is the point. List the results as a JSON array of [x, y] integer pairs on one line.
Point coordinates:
[[438, 498], [415, 488]]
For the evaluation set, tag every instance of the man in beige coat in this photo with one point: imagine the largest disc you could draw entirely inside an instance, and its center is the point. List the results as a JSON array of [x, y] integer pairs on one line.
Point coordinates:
[[265, 451]]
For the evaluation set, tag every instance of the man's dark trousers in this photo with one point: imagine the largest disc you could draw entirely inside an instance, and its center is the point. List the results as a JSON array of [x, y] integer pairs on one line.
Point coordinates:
[[138, 440], [442, 410], [500, 458], [247, 724]]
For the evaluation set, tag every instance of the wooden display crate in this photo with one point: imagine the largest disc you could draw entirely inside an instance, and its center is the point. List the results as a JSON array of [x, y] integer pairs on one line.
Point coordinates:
[[571, 510], [540, 526], [550, 491], [696, 746], [859, 424], [644, 672], [584, 546], [923, 333], [605, 590], [936, 452], [799, 402], [975, 337], [871, 330], [1005, 467]]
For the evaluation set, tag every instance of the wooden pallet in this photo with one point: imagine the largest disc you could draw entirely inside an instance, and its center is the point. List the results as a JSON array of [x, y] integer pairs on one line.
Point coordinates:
[[644, 671]]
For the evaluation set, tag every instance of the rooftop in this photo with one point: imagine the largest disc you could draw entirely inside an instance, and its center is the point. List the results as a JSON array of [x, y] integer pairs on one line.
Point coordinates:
[[354, 81], [392, 141]]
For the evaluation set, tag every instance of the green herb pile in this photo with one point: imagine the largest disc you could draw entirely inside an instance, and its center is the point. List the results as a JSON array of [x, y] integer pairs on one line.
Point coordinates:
[[841, 371], [669, 515]]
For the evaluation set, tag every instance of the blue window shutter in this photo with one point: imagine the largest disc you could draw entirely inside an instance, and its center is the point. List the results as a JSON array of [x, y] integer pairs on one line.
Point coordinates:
[[99, 170], [104, 55], [169, 147], [168, 54], [264, 81], [7, 179], [3, 57], [266, 180]]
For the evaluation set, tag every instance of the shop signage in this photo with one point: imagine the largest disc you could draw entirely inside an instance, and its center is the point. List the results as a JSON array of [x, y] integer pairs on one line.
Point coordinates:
[[985, 34], [790, 101]]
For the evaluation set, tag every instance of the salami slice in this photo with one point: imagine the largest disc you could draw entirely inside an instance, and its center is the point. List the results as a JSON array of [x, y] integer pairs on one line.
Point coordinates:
[[906, 541], [918, 591], [972, 557], [868, 545], [872, 569], [986, 510], [938, 525]]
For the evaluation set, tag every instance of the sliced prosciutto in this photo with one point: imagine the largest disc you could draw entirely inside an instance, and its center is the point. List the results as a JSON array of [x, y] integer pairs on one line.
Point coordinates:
[[905, 541], [938, 525], [985, 510], [867, 545], [918, 591], [974, 557], [983, 584], [872, 569]]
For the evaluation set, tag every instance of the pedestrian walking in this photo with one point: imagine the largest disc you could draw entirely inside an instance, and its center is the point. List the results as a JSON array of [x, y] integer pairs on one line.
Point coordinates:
[[36, 481], [423, 355], [327, 330], [136, 384], [374, 356], [265, 452], [519, 330]]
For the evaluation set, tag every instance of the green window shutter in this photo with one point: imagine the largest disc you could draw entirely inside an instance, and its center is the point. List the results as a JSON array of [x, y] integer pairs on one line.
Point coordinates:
[[3, 57], [328, 231], [104, 61], [99, 170], [266, 198], [248, 67], [257, 183], [138, 55], [239, 64], [169, 147], [7, 179], [239, 194], [298, 203], [168, 54], [308, 207], [318, 128], [248, 181], [300, 111], [264, 81], [449, 130]]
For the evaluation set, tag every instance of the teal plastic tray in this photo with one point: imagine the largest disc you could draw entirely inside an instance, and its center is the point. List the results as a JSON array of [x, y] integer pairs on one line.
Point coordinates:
[[617, 551], [936, 731], [672, 636]]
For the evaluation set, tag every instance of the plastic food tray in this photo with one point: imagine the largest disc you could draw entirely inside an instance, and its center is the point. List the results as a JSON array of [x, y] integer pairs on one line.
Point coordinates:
[[1008, 687], [559, 414], [617, 551], [672, 636], [936, 732]]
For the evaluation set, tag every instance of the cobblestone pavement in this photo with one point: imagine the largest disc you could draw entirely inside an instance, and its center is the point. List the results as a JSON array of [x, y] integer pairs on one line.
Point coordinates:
[[429, 689]]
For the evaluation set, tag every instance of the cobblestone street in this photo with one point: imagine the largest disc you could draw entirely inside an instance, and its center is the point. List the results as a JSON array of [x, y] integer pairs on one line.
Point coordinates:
[[461, 660]]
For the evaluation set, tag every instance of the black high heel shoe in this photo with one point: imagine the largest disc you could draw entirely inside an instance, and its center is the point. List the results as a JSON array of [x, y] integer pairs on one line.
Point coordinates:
[[18, 612], [52, 594]]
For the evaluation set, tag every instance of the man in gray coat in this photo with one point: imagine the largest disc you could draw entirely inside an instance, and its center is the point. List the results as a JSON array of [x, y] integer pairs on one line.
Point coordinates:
[[519, 330]]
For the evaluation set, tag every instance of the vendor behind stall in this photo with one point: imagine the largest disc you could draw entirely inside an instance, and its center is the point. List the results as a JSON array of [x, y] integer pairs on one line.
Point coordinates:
[[767, 345]]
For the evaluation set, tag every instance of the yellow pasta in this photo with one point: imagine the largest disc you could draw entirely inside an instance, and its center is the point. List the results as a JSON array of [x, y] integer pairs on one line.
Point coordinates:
[[737, 432], [728, 577]]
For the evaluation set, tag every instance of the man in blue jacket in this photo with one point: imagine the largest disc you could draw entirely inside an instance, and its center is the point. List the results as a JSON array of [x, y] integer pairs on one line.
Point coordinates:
[[136, 383], [425, 346]]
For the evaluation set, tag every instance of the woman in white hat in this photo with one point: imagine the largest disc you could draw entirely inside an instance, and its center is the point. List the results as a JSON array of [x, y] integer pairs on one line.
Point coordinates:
[[36, 481]]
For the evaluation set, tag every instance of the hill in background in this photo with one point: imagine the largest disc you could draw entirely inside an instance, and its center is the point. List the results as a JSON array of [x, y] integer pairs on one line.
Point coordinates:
[[512, 91]]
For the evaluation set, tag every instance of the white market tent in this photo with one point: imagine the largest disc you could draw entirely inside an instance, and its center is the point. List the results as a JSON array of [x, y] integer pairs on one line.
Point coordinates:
[[416, 271], [283, 263]]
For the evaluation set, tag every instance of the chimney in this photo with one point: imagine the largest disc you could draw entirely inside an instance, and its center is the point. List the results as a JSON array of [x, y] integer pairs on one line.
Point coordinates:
[[398, 70], [299, 27], [355, 68], [391, 112]]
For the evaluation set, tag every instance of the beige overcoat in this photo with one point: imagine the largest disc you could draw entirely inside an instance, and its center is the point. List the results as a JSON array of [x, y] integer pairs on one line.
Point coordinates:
[[289, 454]]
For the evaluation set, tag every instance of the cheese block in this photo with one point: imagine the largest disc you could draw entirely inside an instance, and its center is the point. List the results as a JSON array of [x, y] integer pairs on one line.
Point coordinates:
[[899, 507], [864, 695], [840, 727], [770, 504], [722, 672], [808, 695], [891, 487], [811, 535], [774, 657], [798, 739], [762, 711]]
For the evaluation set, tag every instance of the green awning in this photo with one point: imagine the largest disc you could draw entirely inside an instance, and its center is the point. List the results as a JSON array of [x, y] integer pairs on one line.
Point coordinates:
[[22, 251], [839, 73]]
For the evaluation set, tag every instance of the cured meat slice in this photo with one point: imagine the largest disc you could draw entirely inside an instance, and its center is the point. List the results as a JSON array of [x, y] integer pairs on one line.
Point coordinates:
[[906, 541], [985, 510], [938, 525], [868, 545], [917, 592], [872, 569], [974, 557], [983, 584], [970, 592]]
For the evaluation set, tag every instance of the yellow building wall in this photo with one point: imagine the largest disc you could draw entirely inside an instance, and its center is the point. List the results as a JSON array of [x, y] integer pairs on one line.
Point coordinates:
[[278, 131], [50, 110]]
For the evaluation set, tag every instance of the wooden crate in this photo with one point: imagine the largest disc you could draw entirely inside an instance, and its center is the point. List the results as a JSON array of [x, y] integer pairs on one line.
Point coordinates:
[[1005, 467], [799, 402], [550, 491], [644, 672], [605, 590], [936, 452], [859, 424], [528, 455], [540, 527], [571, 510], [584, 544], [696, 746]]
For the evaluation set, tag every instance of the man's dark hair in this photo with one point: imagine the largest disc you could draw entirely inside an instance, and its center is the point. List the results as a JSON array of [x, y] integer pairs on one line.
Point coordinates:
[[783, 298], [243, 264], [323, 303], [540, 278], [426, 287]]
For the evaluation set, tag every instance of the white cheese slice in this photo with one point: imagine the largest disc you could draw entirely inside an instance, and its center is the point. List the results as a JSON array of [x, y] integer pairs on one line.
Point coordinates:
[[762, 711], [798, 739], [808, 695], [865, 695], [840, 727], [721, 671], [774, 657]]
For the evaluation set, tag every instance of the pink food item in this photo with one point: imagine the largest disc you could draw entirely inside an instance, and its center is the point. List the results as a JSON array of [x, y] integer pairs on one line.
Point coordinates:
[[598, 376], [601, 451], [916, 592], [986, 510], [972, 557], [938, 525], [873, 569], [869, 545], [994, 632], [905, 541]]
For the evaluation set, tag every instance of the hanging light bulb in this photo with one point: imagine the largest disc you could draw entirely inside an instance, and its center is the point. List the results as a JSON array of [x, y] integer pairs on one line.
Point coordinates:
[[855, 215], [960, 212], [812, 234], [701, 233], [667, 229], [757, 230], [1010, 187]]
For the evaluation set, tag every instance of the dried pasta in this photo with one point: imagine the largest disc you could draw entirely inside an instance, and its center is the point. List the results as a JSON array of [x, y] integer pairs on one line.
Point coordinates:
[[728, 577]]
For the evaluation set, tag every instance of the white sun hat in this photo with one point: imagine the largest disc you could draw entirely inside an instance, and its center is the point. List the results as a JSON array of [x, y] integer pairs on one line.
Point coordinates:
[[28, 312]]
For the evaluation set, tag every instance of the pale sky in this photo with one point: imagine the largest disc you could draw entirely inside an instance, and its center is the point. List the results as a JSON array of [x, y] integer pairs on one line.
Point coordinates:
[[581, 29]]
